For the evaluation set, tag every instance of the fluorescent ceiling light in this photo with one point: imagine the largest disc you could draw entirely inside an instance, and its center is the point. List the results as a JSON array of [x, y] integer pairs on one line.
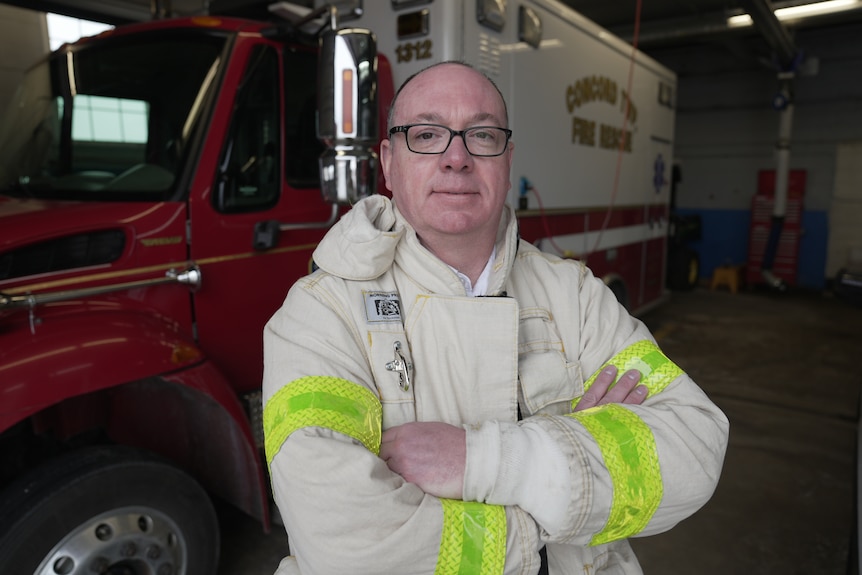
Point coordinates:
[[800, 11]]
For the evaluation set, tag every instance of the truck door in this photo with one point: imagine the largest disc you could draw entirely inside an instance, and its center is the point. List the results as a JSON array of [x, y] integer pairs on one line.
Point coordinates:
[[259, 164]]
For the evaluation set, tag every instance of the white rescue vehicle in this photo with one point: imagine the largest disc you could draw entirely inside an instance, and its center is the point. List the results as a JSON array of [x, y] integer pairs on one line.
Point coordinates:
[[593, 124]]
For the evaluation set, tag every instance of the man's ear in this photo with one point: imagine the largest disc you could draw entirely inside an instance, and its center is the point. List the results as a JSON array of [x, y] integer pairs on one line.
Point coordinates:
[[385, 160]]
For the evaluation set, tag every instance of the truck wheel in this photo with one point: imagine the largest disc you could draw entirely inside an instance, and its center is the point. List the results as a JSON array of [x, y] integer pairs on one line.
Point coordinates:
[[107, 510], [618, 287], [683, 268]]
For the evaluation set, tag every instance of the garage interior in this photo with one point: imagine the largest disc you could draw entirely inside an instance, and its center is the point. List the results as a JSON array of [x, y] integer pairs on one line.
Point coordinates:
[[734, 83], [780, 358]]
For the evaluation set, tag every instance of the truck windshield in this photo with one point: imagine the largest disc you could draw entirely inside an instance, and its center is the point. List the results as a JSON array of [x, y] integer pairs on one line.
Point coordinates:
[[109, 120]]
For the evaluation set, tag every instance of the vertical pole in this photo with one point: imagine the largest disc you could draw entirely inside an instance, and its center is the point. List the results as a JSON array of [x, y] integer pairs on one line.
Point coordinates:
[[783, 102]]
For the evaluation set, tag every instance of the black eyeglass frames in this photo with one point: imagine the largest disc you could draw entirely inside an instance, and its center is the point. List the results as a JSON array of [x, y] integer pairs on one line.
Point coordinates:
[[483, 141]]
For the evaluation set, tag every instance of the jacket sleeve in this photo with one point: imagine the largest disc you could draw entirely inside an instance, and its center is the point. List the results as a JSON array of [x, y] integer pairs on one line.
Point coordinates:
[[613, 471], [343, 509]]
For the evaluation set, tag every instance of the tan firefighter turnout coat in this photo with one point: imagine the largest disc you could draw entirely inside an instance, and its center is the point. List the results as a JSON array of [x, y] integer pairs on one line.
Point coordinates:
[[384, 333]]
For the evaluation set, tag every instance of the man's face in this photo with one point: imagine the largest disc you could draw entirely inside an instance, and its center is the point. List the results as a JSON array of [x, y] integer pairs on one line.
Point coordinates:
[[453, 193]]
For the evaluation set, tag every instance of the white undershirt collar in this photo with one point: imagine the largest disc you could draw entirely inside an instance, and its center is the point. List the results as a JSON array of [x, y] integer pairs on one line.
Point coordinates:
[[481, 287]]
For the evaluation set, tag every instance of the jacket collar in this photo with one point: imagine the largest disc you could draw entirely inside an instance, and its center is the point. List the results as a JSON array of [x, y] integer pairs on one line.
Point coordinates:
[[373, 236]]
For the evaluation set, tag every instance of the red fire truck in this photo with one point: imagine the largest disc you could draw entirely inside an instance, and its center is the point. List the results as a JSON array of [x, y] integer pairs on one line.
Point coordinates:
[[160, 193], [161, 187]]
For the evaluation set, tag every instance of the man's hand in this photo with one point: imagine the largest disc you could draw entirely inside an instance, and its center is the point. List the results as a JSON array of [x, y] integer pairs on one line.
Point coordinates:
[[430, 454], [433, 455], [625, 391]]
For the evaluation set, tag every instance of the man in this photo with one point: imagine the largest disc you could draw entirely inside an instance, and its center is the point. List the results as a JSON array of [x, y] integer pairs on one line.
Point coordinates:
[[430, 403]]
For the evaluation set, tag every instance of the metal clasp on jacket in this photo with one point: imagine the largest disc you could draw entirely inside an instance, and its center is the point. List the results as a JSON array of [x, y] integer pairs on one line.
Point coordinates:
[[402, 366]]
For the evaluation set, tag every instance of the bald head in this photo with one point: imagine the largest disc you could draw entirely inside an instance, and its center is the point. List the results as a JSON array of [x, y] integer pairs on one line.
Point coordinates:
[[392, 109]]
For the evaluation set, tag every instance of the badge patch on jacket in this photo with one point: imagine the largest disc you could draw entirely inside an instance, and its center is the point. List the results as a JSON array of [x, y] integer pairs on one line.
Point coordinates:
[[382, 307]]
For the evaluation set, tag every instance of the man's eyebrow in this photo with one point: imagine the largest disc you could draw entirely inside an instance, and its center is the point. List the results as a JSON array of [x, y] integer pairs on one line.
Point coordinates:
[[484, 117]]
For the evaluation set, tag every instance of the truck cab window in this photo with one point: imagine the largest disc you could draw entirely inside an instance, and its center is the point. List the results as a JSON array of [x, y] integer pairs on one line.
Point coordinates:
[[111, 120], [249, 167]]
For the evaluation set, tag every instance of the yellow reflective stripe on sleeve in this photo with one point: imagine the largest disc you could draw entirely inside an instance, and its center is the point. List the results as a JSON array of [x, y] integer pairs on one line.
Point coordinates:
[[657, 371], [629, 451], [321, 401], [473, 541]]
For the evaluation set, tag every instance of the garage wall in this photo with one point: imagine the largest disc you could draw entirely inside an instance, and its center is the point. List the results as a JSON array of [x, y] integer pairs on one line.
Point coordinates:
[[23, 40], [727, 129]]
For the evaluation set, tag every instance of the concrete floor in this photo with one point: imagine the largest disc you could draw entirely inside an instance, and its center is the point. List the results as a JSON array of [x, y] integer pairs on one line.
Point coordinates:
[[787, 371]]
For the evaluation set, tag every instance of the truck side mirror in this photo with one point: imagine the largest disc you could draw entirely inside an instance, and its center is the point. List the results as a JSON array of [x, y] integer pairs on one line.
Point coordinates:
[[347, 114]]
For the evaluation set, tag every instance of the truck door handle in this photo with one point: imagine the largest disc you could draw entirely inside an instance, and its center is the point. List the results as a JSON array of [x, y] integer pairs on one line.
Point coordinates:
[[266, 232]]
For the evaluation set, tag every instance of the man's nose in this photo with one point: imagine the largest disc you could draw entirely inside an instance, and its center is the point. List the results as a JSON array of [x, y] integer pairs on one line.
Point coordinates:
[[456, 155]]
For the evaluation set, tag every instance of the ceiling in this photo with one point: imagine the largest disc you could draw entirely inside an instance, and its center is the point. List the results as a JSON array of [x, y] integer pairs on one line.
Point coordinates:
[[664, 26], [658, 17]]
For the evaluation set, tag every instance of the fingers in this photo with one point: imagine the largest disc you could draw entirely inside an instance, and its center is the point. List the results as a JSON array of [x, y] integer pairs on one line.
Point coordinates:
[[598, 389], [637, 395], [624, 387], [387, 442], [430, 454], [603, 390]]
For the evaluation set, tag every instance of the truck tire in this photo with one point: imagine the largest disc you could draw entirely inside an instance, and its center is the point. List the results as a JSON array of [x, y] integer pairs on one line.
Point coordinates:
[[683, 268], [618, 287], [108, 510]]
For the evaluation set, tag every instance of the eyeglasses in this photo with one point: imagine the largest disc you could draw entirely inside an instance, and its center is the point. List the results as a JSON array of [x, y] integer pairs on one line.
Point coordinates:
[[435, 139]]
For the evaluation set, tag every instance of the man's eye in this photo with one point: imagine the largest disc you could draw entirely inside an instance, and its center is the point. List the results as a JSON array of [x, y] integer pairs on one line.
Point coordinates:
[[430, 132], [485, 135]]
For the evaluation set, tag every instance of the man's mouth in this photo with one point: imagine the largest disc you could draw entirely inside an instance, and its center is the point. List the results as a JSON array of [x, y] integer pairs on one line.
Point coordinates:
[[454, 192]]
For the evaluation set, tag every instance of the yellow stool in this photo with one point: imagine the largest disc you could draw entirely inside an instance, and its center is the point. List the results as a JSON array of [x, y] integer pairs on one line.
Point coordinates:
[[726, 276]]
